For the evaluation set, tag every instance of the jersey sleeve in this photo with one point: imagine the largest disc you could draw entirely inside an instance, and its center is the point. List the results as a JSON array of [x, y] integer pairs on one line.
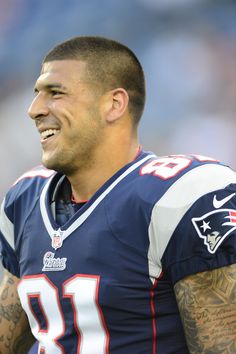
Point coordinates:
[[15, 209], [193, 227], [7, 242]]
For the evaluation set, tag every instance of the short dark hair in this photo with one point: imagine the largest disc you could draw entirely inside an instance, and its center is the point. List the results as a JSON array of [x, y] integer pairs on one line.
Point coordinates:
[[110, 64]]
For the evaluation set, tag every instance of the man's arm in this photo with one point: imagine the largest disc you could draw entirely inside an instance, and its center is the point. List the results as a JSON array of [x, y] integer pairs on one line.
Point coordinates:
[[15, 334], [207, 304]]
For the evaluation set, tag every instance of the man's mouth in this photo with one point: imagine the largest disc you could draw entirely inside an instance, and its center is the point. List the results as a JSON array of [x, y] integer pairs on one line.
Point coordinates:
[[46, 134]]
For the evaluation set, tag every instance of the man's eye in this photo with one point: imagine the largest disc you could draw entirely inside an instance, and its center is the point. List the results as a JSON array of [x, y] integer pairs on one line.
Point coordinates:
[[56, 93]]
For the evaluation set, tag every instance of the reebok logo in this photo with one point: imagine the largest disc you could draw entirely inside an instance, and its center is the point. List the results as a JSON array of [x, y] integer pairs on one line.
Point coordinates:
[[219, 203]]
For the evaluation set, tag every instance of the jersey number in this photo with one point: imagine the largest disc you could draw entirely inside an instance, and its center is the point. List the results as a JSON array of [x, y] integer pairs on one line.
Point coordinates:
[[169, 166], [89, 323], [166, 167]]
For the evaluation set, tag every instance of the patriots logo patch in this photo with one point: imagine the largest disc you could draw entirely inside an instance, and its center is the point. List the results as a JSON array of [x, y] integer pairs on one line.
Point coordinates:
[[215, 226]]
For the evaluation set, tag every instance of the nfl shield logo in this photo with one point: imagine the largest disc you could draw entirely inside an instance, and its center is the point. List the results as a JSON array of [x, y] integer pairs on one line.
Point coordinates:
[[57, 239]]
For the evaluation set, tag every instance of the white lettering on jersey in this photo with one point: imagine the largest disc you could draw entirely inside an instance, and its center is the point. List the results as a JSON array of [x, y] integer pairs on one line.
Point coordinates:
[[52, 264], [82, 290], [43, 289], [203, 158], [166, 167]]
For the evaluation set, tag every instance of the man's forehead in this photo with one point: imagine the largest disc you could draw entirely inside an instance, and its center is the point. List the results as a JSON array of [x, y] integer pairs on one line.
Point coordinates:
[[62, 66], [61, 70]]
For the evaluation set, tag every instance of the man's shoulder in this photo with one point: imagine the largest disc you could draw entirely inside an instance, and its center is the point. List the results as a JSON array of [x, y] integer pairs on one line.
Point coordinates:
[[171, 168], [181, 175], [29, 185], [37, 173]]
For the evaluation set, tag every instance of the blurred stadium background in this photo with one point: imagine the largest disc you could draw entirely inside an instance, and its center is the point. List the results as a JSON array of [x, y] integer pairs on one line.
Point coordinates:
[[187, 49]]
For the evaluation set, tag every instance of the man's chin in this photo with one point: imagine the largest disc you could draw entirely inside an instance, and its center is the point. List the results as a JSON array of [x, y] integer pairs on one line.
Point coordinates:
[[49, 163], [55, 166]]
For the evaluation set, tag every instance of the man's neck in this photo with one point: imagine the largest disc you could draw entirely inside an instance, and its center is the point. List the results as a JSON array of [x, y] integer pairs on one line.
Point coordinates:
[[85, 182]]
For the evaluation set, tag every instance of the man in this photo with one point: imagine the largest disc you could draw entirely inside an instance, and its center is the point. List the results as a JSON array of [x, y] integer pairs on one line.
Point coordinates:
[[110, 253]]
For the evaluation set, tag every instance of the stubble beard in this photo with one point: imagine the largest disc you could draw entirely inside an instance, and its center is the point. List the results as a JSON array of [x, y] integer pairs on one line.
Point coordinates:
[[80, 152], [70, 161]]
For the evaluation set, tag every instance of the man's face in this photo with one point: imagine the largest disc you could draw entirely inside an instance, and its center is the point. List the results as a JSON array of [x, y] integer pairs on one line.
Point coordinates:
[[212, 239], [66, 111]]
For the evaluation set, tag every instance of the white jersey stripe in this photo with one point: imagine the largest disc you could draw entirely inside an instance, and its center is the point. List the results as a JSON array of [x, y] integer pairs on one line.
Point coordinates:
[[170, 209], [43, 209], [6, 227]]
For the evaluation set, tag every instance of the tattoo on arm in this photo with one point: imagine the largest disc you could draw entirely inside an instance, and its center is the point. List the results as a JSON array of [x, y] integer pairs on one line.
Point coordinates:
[[15, 335], [207, 305]]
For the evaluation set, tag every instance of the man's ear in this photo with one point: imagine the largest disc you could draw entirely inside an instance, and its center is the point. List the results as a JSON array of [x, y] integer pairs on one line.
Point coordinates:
[[118, 103]]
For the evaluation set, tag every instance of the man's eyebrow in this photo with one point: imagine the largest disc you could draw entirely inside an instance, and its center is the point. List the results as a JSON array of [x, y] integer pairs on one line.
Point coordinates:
[[49, 87]]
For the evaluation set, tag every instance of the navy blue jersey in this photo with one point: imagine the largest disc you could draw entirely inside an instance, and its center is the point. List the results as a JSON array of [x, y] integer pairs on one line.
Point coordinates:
[[101, 281]]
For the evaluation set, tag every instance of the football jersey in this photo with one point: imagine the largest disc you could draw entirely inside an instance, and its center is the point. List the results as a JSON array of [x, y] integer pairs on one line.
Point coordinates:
[[102, 281]]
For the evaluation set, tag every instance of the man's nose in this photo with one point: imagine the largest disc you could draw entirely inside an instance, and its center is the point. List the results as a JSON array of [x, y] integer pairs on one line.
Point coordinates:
[[38, 107]]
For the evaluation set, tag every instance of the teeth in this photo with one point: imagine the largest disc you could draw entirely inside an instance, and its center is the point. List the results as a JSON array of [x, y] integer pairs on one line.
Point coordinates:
[[49, 132]]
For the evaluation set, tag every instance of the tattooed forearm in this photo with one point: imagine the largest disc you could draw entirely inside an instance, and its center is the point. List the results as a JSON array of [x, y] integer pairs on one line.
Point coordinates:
[[207, 304], [11, 312], [15, 336]]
